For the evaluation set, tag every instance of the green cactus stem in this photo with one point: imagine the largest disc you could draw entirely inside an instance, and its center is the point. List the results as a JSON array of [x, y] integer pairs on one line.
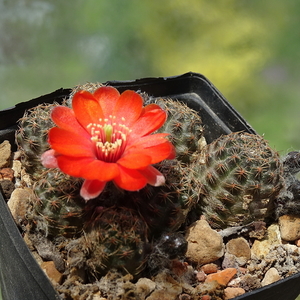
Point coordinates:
[[238, 180]]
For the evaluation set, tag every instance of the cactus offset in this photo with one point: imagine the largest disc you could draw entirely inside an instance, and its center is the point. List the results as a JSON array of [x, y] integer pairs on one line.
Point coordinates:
[[32, 136], [238, 181], [57, 207], [116, 239], [163, 208]]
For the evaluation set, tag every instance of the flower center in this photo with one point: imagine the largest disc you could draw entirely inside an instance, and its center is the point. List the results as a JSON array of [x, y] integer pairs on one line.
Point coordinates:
[[109, 138]]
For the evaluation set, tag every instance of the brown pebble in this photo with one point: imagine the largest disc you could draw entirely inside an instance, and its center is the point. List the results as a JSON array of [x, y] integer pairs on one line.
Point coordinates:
[[144, 287], [289, 227], [231, 292], [6, 173], [206, 297], [209, 268], [51, 271], [205, 245], [18, 204], [201, 276], [297, 242], [178, 267], [5, 154], [6, 187], [162, 295], [240, 248], [270, 277], [222, 277]]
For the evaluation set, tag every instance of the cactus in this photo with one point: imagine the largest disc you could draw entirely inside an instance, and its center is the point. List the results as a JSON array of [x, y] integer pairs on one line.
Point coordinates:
[[56, 205], [238, 181], [115, 239], [184, 126], [163, 208], [57, 208], [32, 135]]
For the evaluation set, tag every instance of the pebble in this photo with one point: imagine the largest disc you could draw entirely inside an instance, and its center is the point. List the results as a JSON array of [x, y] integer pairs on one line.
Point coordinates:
[[271, 276], [205, 245], [240, 248], [201, 276], [51, 271], [289, 227], [237, 254], [18, 203], [235, 282], [205, 297], [5, 154], [222, 277], [144, 287], [162, 295], [166, 283], [261, 248], [229, 261], [297, 243], [17, 168], [231, 292], [6, 174], [209, 268], [6, 187]]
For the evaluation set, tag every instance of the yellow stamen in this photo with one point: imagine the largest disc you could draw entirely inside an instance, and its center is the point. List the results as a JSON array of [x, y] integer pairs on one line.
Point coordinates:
[[109, 137]]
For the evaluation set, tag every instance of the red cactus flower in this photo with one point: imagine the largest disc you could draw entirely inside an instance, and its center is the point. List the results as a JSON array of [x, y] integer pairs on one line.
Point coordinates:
[[107, 137]]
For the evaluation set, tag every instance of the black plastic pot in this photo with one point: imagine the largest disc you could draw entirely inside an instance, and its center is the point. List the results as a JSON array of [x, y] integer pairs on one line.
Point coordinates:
[[20, 275]]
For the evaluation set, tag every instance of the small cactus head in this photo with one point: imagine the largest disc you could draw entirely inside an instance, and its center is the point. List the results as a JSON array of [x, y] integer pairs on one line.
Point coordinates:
[[238, 181], [32, 136], [115, 239]]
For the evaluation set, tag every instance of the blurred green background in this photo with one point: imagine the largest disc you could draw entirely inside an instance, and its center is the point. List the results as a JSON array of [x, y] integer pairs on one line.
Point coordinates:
[[248, 49]]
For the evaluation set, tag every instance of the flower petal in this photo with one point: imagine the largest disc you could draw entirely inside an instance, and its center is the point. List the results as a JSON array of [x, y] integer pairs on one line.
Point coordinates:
[[135, 160], [91, 189], [154, 177], [48, 159], [100, 170], [150, 121], [107, 96], [88, 168], [151, 107], [172, 154], [68, 143], [86, 108], [129, 107], [149, 140], [64, 118], [130, 180], [160, 152], [157, 153], [72, 165]]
